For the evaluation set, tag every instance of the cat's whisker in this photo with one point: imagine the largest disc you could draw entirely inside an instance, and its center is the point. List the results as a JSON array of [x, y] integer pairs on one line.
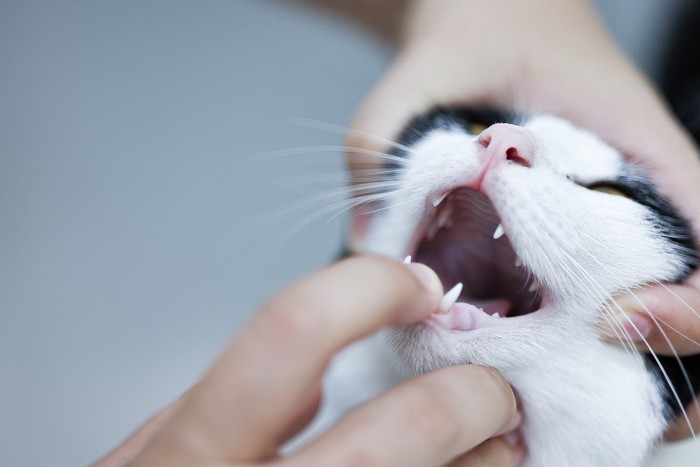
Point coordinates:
[[619, 330], [361, 202], [338, 177], [658, 362], [371, 172], [686, 304], [680, 333], [602, 295], [384, 208], [663, 371], [321, 180], [651, 351], [342, 194], [656, 322], [339, 129], [305, 150], [340, 209], [333, 210]]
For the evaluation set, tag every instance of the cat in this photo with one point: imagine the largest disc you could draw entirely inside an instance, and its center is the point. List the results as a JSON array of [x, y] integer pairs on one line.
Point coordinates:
[[542, 223]]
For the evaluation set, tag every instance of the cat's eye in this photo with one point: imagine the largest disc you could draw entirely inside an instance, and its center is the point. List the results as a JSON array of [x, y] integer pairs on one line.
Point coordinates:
[[609, 189], [476, 128]]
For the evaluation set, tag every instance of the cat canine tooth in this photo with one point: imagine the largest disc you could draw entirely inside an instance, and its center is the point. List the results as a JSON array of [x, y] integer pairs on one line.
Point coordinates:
[[499, 232], [534, 286], [450, 298], [437, 202], [443, 217], [518, 263], [407, 260], [496, 315]]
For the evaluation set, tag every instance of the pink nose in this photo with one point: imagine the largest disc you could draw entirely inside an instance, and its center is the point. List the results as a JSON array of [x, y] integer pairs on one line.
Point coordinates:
[[503, 142]]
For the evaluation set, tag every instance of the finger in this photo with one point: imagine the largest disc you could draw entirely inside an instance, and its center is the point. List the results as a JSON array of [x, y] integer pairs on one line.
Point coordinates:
[[246, 402], [683, 428], [425, 421], [306, 413], [138, 440], [495, 452], [665, 318]]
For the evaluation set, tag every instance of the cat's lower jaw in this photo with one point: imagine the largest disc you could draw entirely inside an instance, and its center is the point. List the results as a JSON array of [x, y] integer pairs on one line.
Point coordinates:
[[577, 411]]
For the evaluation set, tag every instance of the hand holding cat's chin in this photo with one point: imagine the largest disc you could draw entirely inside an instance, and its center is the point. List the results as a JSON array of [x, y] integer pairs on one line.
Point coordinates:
[[265, 387]]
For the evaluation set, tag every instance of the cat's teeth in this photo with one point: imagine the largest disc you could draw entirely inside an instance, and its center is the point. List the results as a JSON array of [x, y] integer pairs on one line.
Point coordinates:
[[499, 232], [518, 263], [442, 218], [534, 286], [437, 202], [407, 260], [496, 315], [450, 298]]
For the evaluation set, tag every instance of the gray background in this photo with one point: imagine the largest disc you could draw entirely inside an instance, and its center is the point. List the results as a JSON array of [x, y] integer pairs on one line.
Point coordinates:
[[139, 222]]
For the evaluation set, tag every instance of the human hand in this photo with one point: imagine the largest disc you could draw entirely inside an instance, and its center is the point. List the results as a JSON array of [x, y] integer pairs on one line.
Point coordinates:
[[266, 386]]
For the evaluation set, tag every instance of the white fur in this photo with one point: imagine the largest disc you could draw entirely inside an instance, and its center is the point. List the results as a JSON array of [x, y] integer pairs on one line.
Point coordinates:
[[586, 403]]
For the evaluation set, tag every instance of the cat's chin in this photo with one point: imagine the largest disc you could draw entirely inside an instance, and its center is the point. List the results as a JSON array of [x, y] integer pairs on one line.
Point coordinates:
[[422, 348]]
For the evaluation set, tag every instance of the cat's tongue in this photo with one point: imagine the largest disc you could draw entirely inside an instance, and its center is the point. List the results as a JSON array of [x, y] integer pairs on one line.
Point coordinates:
[[467, 316]]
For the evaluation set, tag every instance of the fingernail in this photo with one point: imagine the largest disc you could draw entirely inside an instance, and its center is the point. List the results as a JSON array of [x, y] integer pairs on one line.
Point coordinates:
[[631, 322], [427, 277]]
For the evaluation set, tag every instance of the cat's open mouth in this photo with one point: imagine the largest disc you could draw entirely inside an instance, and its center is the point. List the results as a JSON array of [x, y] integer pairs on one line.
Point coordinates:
[[462, 239]]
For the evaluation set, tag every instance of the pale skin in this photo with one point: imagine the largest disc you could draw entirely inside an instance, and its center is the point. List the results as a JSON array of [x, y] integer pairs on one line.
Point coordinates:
[[265, 387], [532, 55]]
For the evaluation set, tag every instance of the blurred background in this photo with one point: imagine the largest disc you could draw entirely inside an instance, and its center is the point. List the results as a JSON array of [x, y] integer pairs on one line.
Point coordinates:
[[143, 215]]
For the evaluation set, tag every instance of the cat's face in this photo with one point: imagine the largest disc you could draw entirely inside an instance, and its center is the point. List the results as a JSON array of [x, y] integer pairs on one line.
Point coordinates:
[[541, 222]]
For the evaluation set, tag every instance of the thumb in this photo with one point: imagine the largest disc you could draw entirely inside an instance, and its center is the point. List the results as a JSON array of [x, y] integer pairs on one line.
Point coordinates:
[[370, 143], [399, 95]]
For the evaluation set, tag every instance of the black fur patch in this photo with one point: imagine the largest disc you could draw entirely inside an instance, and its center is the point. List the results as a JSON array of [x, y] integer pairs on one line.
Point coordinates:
[[461, 117], [446, 118], [678, 232], [665, 217], [674, 371]]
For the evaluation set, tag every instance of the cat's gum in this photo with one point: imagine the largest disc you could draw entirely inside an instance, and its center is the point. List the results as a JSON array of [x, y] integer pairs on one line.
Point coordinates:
[[467, 317]]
